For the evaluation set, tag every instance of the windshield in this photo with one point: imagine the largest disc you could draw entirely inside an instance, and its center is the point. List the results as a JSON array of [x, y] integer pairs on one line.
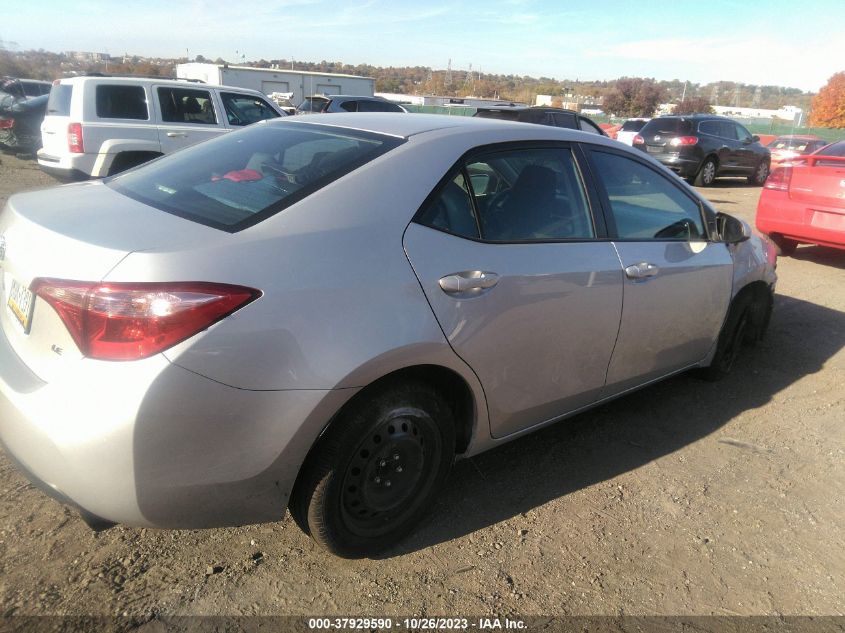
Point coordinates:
[[243, 177], [313, 104], [633, 126], [668, 125], [793, 144], [506, 115]]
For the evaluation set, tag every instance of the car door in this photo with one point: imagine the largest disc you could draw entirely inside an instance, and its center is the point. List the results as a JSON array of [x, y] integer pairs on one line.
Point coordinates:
[[522, 280], [748, 151], [187, 116], [677, 281]]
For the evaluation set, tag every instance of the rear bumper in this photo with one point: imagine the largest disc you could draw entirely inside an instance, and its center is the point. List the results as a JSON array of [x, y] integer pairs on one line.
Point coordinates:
[[684, 167], [68, 168], [148, 443], [777, 214]]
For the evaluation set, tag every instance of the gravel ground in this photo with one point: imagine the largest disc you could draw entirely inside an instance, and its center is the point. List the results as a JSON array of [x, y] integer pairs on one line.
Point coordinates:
[[684, 498]]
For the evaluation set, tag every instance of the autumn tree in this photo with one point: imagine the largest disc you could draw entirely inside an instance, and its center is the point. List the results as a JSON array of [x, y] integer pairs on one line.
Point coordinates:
[[693, 105], [828, 109], [633, 96]]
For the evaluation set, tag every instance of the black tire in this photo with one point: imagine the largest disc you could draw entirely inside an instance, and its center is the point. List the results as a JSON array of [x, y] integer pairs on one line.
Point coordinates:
[[737, 330], [761, 172], [375, 471], [706, 175], [784, 246]]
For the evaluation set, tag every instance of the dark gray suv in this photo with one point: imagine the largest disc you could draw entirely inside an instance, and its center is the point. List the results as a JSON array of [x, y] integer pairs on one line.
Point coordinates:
[[702, 147], [343, 103], [556, 117]]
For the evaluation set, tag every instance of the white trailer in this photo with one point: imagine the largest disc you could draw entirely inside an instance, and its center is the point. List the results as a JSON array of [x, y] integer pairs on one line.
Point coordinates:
[[269, 80]]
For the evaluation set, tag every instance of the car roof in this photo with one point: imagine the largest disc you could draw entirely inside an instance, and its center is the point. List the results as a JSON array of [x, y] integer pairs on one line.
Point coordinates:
[[513, 107], [153, 80], [405, 126]]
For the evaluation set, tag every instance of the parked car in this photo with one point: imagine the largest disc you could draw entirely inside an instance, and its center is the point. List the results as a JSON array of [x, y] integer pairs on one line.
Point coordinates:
[[790, 146], [324, 104], [100, 126], [803, 202], [703, 147], [20, 124], [555, 117], [323, 313], [22, 88], [629, 130]]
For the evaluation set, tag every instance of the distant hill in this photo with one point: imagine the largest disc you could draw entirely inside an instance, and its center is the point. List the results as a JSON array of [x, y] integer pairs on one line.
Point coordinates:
[[42, 64]]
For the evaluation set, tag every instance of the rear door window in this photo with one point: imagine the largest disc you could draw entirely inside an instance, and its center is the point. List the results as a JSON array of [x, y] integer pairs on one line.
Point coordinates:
[[121, 102], [564, 119], [186, 105], [645, 205], [709, 127]]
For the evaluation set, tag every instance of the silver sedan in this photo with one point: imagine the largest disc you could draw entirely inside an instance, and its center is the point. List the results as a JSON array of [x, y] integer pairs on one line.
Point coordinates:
[[323, 313]]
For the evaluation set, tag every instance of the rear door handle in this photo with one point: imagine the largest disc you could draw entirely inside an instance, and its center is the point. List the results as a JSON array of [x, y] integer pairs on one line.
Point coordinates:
[[643, 270], [468, 281], [177, 134]]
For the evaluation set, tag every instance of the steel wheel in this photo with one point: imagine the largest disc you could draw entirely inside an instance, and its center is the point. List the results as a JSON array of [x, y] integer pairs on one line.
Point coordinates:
[[370, 479]]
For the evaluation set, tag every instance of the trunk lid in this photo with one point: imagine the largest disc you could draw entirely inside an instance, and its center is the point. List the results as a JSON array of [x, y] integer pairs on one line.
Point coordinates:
[[820, 180], [78, 232], [54, 126]]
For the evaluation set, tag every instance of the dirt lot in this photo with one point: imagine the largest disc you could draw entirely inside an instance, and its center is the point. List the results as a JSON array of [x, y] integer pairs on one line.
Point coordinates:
[[684, 498]]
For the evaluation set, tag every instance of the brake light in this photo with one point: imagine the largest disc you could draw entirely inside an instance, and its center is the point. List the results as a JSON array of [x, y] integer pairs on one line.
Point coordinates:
[[779, 178], [7, 124], [679, 141], [130, 321], [638, 140], [74, 138]]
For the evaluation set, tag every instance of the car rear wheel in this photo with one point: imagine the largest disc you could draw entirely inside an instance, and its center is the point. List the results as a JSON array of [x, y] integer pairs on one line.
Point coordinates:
[[707, 174], [761, 172], [375, 471]]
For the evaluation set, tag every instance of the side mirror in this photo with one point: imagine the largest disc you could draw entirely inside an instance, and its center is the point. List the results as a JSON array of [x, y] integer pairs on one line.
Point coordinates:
[[732, 230], [755, 138]]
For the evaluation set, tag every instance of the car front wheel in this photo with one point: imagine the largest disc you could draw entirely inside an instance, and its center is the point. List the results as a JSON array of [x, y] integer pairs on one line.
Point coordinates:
[[375, 471]]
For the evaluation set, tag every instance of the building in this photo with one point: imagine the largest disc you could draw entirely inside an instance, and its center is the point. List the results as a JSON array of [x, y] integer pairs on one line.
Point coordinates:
[[298, 83]]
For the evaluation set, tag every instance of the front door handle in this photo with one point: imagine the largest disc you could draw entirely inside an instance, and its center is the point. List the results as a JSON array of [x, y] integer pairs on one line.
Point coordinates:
[[468, 281], [643, 270], [177, 135]]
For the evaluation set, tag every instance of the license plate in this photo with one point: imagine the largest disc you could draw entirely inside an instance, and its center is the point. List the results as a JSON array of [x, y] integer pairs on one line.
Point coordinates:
[[654, 149], [20, 302]]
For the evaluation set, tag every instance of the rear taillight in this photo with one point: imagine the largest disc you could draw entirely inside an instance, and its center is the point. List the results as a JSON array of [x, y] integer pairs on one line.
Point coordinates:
[[638, 140], [74, 138], [130, 321], [7, 124], [779, 178], [679, 141]]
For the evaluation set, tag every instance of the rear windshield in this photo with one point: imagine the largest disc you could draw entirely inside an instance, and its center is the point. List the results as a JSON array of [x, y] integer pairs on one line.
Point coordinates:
[[668, 125], [312, 104], [505, 115], [633, 126], [794, 144], [244, 177], [58, 103]]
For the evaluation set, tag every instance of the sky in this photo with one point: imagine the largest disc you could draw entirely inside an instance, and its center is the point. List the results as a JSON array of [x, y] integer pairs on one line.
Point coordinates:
[[777, 42]]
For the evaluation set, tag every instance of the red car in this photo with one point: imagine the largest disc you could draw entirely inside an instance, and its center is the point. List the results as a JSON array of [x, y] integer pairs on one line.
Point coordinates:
[[804, 202], [790, 146]]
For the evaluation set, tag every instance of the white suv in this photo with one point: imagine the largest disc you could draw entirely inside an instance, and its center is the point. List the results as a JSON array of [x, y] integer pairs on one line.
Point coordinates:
[[99, 126]]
